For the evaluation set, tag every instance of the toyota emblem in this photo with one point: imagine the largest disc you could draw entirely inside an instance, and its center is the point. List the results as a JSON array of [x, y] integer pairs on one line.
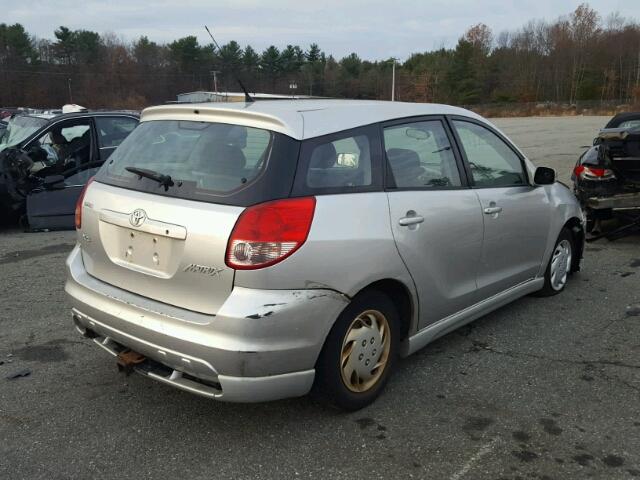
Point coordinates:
[[138, 217]]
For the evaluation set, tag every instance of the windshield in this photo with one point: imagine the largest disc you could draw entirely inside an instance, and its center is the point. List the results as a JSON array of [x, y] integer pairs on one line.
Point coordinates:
[[20, 128], [202, 159]]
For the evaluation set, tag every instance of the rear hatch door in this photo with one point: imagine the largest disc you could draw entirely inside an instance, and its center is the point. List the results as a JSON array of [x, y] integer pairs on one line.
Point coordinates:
[[167, 249], [166, 239]]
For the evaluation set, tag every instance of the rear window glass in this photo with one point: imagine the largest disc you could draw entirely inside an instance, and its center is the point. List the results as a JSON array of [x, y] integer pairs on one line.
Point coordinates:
[[202, 158], [419, 155]]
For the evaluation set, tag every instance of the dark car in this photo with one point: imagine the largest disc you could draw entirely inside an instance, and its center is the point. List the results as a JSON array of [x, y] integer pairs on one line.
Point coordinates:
[[46, 160], [606, 177]]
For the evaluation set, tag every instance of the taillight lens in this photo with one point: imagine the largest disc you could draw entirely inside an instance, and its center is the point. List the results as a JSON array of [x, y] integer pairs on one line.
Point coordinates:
[[593, 173], [79, 204], [268, 233]]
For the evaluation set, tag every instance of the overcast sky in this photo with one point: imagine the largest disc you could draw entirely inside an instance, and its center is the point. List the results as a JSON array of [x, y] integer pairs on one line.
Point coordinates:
[[375, 29]]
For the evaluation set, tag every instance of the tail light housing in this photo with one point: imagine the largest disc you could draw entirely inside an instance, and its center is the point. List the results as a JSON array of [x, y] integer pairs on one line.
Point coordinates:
[[593, 173], [267, 233], [79, 204]]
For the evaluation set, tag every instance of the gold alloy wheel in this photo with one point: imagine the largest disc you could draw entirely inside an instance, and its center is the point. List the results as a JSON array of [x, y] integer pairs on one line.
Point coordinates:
[[365, 351]]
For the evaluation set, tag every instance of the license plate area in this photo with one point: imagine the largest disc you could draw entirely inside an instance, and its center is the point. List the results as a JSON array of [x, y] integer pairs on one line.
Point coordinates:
[[143, 252], [146, 250]]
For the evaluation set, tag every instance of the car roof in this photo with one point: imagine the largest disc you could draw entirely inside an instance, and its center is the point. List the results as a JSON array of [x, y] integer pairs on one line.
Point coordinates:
[[301, 119]]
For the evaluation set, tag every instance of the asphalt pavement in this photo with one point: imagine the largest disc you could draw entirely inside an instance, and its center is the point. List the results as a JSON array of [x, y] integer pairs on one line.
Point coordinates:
[[540, 389]]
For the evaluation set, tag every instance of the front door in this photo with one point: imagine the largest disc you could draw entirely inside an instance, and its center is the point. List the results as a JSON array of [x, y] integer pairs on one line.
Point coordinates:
[[70, 150], [435, 218], [67, 149], [516, 214]]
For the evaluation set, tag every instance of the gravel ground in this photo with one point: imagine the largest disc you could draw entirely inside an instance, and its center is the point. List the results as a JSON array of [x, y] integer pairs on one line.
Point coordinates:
[[540, 389]]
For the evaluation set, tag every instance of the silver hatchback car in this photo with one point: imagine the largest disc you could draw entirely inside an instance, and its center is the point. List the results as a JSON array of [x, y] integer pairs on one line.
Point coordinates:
[[254, 251]]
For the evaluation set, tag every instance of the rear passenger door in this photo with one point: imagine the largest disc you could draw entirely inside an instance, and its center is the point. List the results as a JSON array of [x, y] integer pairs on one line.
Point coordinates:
[[435, 218], [516, 214]]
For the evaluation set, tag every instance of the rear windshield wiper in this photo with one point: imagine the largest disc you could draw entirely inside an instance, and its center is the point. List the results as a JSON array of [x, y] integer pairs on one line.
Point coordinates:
[[164, 180]]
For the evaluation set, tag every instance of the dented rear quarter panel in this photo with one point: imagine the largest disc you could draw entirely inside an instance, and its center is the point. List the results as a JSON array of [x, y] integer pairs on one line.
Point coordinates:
[[349, 247]]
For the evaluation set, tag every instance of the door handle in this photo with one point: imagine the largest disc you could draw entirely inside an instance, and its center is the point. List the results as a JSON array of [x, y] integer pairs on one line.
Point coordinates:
[[492, 210], [413, 220]]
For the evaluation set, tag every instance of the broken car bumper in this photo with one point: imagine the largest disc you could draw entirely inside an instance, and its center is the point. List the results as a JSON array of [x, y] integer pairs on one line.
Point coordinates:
[[620, 201], [261, 345]]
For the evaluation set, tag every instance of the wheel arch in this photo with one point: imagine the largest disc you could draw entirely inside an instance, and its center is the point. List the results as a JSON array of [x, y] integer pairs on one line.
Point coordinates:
[[403, 300], [565, 213]]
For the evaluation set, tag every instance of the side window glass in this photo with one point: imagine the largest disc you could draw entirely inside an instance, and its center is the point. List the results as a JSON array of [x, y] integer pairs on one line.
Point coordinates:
[[633, 124], [419, 155], [113, 130], [43, 151], [342, 163], [65, 148], [492, 162]]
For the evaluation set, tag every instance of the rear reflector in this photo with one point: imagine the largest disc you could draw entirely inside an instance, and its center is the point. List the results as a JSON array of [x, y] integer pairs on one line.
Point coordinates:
[[268, 233], [79, 204]]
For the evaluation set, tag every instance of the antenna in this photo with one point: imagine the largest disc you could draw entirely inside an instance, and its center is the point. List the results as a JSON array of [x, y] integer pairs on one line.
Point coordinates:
[[247, 97]]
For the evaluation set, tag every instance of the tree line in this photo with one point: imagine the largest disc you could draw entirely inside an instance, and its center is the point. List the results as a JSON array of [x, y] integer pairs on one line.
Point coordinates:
[[577, 57]]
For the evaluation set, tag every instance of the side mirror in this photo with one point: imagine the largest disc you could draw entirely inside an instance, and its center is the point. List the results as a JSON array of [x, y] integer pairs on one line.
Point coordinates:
[[53, 181], [544, 176]]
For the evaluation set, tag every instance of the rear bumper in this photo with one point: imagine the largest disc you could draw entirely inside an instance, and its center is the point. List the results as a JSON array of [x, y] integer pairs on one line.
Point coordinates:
[[586, 189], [262, 344], [619, 201]]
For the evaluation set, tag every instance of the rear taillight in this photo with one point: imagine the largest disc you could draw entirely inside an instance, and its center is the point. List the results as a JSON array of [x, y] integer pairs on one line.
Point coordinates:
[[79, 204], [593, 173], [268, 233]]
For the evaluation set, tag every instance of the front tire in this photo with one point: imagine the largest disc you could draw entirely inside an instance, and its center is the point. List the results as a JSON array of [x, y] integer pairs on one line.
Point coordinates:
[[559, 267], [359, 352]]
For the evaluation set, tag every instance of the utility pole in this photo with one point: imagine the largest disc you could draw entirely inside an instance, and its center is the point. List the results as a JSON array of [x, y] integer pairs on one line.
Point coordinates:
[[215, 73], [69, 85], [393, 79]]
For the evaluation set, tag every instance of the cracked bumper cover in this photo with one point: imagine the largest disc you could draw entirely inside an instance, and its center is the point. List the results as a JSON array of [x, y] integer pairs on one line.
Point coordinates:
[[620, 201], [261, 345]]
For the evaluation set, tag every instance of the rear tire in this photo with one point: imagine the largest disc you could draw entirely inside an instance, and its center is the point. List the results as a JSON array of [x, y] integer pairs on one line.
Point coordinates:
[[359, 352], [559, 267]]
